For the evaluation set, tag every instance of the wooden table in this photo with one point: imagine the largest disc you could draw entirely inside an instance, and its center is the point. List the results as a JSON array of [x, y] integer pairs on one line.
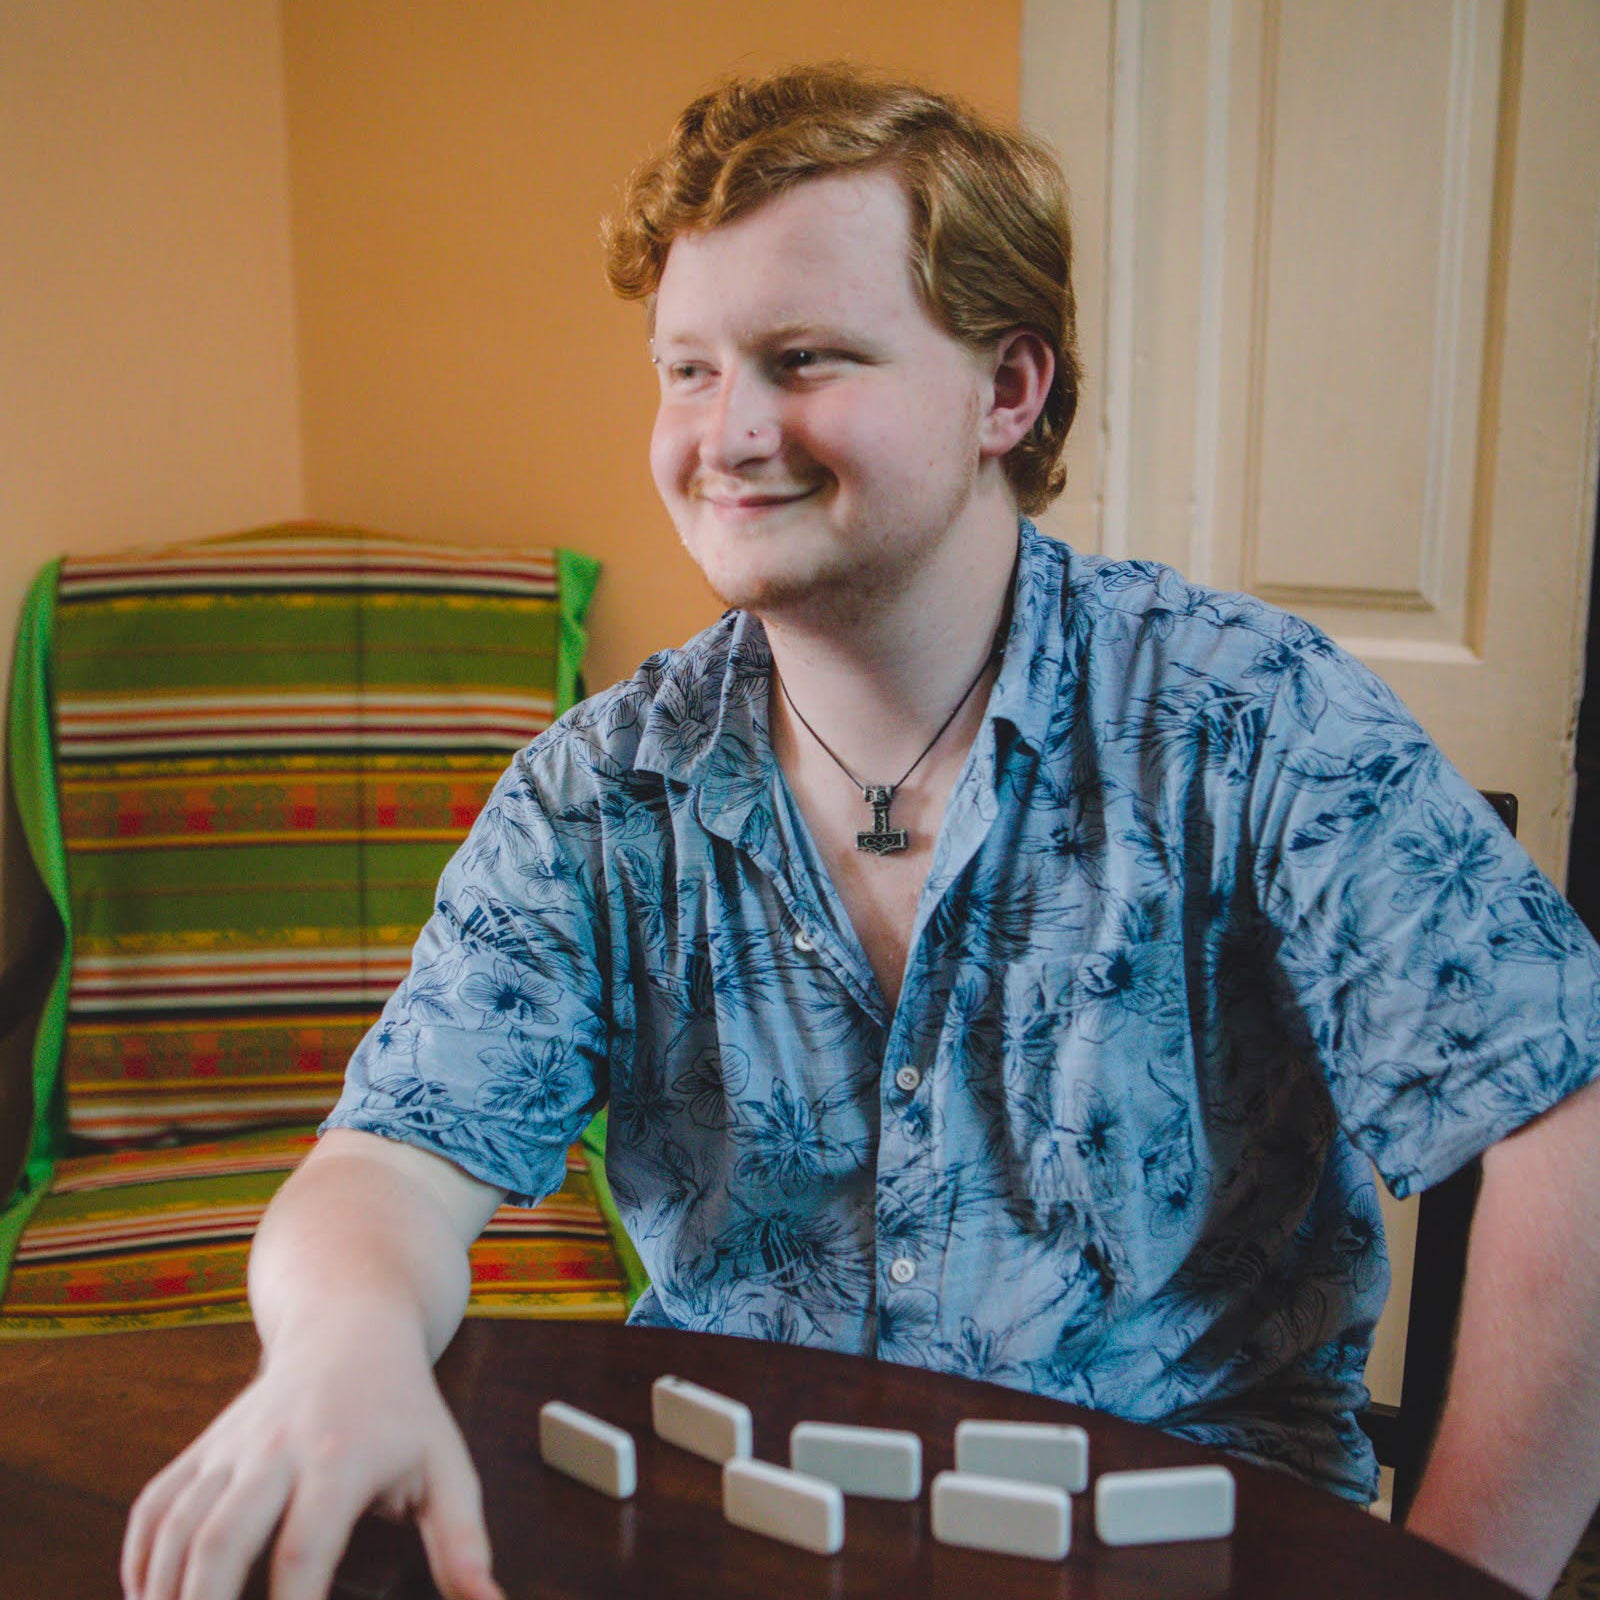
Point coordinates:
[[87, 1420]]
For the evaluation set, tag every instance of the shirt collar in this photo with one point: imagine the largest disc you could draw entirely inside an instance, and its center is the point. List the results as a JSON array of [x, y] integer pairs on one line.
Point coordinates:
[[707, 723], [1025, 692]]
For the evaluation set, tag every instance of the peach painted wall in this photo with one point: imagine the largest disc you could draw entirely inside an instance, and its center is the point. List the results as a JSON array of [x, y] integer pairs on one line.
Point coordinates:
[[339, 258], [465, 372], [147, 379]]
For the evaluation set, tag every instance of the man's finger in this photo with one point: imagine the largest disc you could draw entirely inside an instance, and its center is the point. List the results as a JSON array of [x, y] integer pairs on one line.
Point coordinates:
[[316, 1528], [450, 1520], [145, 1518], [169, 1550], [234, 1533]]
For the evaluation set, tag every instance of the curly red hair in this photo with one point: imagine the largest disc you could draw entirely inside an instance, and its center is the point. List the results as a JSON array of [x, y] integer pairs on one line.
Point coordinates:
[[991, 242]]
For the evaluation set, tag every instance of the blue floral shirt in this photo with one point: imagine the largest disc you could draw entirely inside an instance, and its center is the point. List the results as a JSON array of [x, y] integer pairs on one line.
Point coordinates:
[[1210, 923]]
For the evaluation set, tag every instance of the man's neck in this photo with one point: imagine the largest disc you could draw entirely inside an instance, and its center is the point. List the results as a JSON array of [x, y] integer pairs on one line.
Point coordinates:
[[879, 693], [876, 685]]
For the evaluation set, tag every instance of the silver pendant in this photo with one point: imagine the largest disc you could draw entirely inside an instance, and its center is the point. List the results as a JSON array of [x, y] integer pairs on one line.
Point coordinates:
[[883, 840]]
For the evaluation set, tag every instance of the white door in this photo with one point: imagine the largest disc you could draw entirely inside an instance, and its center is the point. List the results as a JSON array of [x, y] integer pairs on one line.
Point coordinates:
[[1337, 269]]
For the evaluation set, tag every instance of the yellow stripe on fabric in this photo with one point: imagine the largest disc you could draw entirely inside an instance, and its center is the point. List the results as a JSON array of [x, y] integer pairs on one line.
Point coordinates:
[[51, 1324], [545, 1307]]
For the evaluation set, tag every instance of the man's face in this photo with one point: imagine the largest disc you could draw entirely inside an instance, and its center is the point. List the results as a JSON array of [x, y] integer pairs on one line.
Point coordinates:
[[817, 438]]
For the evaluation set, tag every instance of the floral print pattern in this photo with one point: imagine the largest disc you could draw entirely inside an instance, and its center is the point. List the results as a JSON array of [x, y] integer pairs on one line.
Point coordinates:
[[1211, 929]]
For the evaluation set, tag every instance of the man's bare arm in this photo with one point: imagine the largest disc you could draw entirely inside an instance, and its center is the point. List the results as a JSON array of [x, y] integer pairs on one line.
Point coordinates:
[[358, 1279], [1515, 1473]]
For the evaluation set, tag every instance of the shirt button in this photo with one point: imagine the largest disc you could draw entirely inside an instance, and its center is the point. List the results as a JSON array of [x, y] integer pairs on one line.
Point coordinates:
[[802, 943], [907, 1078], [902, 1271]]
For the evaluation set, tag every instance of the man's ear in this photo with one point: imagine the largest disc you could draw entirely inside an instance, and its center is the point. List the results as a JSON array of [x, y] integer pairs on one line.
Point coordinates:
[[1024, 368]]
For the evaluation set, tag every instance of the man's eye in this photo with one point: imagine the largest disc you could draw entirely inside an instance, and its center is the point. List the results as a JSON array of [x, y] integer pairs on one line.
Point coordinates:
[[798, 360], [686, 371]]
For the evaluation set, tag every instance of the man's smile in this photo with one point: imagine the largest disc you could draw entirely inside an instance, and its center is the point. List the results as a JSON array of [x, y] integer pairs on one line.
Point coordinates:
[[751, 500]]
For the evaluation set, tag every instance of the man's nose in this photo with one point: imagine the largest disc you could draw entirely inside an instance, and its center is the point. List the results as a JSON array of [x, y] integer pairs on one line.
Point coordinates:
[[744, 425]]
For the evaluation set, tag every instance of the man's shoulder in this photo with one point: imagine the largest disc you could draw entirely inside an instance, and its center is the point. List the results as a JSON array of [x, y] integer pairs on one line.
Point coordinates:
[[1131, 608], [609, 727], [1131, 588]]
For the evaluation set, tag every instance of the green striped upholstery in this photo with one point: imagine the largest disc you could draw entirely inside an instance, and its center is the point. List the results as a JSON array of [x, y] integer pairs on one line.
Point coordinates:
[[143, 1238], [266, 749], [256, 756]]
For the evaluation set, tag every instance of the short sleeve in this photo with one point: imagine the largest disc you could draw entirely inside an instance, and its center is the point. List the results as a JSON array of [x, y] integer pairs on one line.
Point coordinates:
[[1452, 993], [491, 1052]]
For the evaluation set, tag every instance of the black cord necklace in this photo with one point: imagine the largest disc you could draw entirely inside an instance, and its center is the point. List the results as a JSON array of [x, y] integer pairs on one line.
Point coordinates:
[[884, 840]]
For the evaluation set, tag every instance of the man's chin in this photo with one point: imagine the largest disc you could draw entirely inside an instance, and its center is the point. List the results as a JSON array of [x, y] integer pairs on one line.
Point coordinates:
[[815, 596]]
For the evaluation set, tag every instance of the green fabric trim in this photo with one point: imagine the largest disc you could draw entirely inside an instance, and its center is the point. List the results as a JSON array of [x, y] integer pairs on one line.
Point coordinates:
[[576, 576], [593, 1144], [31, 752]]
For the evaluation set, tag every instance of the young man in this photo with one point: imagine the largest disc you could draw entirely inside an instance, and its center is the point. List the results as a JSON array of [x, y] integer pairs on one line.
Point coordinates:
[[993, 958]]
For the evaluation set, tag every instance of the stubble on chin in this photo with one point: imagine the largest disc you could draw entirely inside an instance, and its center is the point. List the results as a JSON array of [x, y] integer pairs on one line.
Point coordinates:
[[821, 599]]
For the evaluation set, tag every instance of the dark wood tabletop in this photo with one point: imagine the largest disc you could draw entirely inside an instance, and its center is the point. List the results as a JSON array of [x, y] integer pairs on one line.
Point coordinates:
[[88, 1420]]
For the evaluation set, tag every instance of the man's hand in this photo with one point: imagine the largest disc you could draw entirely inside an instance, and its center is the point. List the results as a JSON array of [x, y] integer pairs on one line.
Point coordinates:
[[358, 1278], [309, 1446]]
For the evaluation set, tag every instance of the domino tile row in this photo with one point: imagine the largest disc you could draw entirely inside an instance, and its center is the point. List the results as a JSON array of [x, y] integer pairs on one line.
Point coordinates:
[[1010, 1493]]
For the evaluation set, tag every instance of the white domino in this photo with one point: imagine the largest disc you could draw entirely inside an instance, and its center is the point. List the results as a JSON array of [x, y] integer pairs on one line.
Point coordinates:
[[1016, 1519], [1032, 1452], [585, 1448], [1163, 1505], [883, 1463], [784, 1505], [701, 1420]]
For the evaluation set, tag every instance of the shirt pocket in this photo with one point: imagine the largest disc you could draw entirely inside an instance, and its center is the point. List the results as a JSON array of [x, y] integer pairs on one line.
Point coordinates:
[[1099, 1107]]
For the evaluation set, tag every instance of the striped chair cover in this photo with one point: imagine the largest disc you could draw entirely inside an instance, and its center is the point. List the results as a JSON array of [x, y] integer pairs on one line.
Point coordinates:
[[241, 764], [152, 1236]]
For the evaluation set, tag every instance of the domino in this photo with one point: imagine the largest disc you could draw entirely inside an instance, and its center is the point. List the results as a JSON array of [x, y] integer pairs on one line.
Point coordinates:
[[782, 1504], [1028, 1452], [700, 1420], [585, 1448], [882, 1463], [1164, 1505], [1017, 1519]]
